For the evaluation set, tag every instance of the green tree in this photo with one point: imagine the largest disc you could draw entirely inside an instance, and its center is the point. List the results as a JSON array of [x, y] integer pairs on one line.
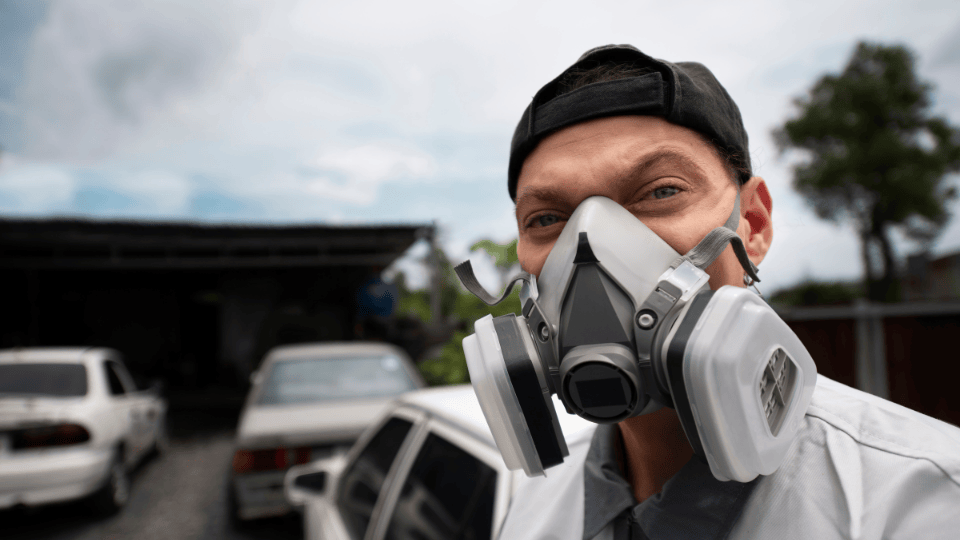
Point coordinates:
[[818, 293], [460, 309], [416, 303], [877, 156], [504, 256]]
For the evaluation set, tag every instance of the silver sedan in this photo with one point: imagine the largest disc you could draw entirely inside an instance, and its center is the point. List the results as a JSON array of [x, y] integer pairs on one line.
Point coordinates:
[[308, 402]]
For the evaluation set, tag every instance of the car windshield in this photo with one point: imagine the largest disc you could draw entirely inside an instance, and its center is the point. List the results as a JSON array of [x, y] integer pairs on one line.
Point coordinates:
[[325, 379], [43, 379]]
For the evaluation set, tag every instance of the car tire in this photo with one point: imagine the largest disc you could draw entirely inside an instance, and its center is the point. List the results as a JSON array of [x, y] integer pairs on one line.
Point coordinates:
[[115, 492]]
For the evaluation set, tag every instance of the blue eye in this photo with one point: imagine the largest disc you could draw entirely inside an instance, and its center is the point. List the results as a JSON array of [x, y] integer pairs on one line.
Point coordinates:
[[664, 192], [546, 220]]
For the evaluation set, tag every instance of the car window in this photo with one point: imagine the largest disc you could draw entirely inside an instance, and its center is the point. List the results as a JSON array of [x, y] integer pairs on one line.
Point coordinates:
[[448, 495], [321, 379], [43, 379], [364, 478], [113, 379], [125, 379]]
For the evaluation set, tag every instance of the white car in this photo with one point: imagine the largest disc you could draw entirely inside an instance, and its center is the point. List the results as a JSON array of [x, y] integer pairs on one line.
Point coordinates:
[[72, 424], [307, 402], [428, 470]]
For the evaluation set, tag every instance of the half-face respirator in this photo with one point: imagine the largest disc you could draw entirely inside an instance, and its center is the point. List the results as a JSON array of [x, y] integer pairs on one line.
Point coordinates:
[[617, 325]]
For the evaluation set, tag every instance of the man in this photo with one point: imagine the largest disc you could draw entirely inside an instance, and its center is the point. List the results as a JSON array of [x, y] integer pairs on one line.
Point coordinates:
[[666, 142]]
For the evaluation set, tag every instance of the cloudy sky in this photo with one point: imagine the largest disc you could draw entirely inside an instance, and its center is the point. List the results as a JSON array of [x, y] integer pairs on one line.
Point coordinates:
[[392, 112]]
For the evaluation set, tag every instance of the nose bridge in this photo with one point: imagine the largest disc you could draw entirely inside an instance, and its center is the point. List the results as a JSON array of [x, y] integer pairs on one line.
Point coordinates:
[[592, 212], [631, 254], [609, 224]]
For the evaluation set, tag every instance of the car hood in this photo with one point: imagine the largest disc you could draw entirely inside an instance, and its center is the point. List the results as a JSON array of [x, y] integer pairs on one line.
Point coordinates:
[[309, 423]]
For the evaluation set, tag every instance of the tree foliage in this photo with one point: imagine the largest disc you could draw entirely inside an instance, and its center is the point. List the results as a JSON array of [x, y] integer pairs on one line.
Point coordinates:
[[818, 293], [459, 308], [504, 256], [878, 158]]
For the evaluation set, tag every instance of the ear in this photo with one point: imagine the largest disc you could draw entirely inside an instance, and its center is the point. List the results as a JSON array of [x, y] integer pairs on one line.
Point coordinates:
[[756, 227]]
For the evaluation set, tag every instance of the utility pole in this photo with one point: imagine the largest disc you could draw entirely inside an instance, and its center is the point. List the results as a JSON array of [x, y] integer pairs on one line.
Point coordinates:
[[435, 278], [871, 360]]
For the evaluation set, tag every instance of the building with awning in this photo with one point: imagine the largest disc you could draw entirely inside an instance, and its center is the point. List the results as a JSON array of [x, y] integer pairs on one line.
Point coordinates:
[[192, 304]]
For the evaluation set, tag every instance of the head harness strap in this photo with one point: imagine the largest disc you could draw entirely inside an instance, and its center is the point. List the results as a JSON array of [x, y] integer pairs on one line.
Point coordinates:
[[713, 244]]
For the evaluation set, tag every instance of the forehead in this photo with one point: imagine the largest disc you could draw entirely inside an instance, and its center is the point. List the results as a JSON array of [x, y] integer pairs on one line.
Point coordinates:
[[605, 149]]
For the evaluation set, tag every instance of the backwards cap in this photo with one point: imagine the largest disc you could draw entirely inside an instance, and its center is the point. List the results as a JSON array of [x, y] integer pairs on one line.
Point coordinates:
[[686, 94]]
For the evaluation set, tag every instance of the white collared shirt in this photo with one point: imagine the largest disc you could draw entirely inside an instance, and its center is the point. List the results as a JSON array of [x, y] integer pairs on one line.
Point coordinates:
[[861, 468]]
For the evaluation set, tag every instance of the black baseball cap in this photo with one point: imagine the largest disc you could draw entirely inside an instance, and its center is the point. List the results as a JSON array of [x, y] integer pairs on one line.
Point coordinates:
[[685, 93]]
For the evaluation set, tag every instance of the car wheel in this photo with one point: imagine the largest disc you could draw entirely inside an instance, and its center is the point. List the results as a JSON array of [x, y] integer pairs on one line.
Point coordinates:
[[115, 492]]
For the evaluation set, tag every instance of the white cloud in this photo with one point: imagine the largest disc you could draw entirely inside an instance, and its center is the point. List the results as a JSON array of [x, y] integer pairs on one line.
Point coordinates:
[[354, 174], [34, 188], [99, 73], [243, 93], [166, 194], [375, 163]]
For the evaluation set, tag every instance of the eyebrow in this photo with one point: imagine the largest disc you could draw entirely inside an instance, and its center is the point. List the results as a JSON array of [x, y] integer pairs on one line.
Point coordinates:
[[549, 194], [556, 194], [660, 157]]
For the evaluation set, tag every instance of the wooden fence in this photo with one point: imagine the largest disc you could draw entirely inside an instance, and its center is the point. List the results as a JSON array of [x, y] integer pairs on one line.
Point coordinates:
[[908, 353]]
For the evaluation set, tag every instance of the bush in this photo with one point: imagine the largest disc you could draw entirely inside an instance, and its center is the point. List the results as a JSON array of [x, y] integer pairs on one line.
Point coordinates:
[[459, 309], [817, 293]]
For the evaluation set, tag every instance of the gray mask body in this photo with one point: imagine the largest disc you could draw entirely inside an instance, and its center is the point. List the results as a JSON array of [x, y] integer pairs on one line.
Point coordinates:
[[612, 326], [605, 264]]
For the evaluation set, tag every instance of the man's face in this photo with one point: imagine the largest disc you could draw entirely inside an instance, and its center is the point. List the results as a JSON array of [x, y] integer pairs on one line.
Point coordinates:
[[666, 175]]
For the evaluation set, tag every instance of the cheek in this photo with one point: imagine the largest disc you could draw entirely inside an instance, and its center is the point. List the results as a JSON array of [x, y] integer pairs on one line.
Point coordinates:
[[532, 256], [685, 232], [682, 236]]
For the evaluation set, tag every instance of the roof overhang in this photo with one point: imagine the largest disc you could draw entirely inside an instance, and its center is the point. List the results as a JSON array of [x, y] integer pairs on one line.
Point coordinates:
[[86, 244]]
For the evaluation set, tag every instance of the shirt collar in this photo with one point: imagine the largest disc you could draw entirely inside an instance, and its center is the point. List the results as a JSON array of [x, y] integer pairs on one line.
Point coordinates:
[[692, 504]]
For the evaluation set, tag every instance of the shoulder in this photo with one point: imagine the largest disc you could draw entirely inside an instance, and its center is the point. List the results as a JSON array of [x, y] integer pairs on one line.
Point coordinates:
[[877, 425], [861, 467]]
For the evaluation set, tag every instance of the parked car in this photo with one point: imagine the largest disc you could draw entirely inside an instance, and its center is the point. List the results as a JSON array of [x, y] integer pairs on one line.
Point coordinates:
[[428, 469], [72, 425], [307, 402]]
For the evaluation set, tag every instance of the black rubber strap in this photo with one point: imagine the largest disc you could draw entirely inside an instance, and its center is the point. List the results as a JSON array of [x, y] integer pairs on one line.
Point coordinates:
[[464, 271], [526, 386], [713, 244]]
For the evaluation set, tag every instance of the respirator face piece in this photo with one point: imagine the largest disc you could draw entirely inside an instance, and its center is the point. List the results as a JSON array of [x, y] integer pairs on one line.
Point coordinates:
[[618, 325]]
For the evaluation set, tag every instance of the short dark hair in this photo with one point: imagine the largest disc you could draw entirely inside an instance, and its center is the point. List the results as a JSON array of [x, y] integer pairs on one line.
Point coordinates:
[[617, 70]]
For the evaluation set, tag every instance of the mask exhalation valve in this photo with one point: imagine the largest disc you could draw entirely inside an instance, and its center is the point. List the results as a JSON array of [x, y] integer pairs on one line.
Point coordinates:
[[600, 383]]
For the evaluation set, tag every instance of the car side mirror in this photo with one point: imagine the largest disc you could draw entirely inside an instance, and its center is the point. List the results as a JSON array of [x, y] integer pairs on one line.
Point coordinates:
[[304, 482], [314, 481]]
